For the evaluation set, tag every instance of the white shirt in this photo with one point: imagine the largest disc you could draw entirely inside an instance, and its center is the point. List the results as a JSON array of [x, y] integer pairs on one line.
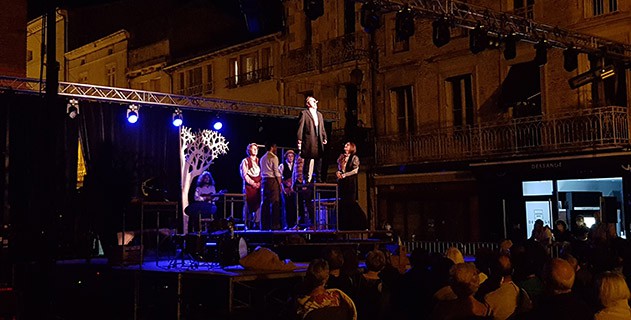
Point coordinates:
[[314, 114]]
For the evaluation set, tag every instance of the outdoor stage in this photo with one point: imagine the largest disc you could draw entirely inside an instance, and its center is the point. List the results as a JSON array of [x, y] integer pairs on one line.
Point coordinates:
[[177, 284]]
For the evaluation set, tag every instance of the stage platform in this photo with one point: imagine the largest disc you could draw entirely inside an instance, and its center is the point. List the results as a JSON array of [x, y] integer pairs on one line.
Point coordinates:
[[176, 285]]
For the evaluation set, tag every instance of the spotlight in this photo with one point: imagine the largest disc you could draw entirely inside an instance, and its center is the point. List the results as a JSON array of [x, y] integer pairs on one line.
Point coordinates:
[[570, 59], [592, 75], [313, 8], [72, 108], [541, 56], [132, 113], [218, 125], [440, 32], [177, 117], [404, 25], [510, 47], [370, 18], [606, 72], [478, 39]]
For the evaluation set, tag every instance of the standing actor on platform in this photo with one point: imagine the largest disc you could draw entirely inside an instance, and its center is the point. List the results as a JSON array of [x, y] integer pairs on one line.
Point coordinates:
[[351, 216], [270, 209], [251, 175], [287, 169], [311, 139]]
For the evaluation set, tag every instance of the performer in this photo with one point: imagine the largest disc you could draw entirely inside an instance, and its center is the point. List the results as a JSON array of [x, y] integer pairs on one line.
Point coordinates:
[[251, 175], [311, 139], [351, 215], [304, 193], [203, 205], [270, 209], [289, 195]]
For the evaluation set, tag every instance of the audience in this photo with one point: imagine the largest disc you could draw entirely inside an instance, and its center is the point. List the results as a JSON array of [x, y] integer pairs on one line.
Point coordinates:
[[613, 295]]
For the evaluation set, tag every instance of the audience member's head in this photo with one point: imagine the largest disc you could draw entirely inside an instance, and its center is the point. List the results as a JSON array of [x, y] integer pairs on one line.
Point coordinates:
[[612, 289], [334, 257], [375, 260], [419, 258], [503, 266], [560, 225], [454, 255], [558, 275], [571, 260], [464, 279], [317, 273]]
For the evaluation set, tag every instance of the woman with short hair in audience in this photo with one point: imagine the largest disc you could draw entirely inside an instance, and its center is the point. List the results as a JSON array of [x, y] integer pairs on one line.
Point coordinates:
[[464, 280], [613, 295]]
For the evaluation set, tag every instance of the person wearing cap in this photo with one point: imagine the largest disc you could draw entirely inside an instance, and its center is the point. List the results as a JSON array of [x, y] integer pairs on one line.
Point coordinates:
[[289, 195]]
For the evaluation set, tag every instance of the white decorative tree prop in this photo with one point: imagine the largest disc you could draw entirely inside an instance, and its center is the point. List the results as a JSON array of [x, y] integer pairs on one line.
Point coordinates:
[[197, 152]]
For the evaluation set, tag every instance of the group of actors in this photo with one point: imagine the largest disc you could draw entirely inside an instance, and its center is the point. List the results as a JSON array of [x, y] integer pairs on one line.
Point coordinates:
[[272, 187]]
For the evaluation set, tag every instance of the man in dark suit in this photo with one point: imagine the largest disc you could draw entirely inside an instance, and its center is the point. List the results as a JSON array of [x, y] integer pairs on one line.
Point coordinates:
[[311, 139]]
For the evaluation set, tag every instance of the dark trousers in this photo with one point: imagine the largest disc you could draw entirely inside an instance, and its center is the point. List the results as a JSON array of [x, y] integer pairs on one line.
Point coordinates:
[[289, 209], [270, 207]]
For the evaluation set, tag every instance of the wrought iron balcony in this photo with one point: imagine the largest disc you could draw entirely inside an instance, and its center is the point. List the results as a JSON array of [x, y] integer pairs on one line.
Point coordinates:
[[587, 129], [329, 53], [251, 77]]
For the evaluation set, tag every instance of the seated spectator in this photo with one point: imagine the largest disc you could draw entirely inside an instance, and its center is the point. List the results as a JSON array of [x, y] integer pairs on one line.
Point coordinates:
[[337, 280], [370, 304], [464, 281], [507, 300], [560, 302], [613, 295], [333, 300]]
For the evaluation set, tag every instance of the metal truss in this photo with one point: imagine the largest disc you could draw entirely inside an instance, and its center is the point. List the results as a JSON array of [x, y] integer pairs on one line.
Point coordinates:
[[504, 23], [120, 95]]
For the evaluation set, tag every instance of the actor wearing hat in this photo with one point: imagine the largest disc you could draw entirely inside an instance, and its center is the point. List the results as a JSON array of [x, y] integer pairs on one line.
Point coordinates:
[[289, 195]]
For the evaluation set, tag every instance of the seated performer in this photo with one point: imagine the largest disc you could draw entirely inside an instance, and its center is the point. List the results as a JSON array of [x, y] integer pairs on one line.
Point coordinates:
[[203, 205]]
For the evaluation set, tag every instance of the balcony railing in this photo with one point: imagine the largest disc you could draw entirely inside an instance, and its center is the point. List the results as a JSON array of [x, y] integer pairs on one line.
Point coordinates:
[[601, 128], [195, 90], [329, 53], [251, 77]]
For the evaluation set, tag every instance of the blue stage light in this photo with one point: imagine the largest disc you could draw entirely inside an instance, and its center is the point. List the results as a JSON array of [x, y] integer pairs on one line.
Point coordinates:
[[218, 125], [132, 113], [177, 118]]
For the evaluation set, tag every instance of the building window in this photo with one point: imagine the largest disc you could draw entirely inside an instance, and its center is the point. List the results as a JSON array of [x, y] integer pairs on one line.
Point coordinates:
[[208, 86], [181, 83], [110, 71], [400, 45], [194, 85], [401, 99], [600, 7], [233, 66], [524, 8], [249, 64], [460, 98], [83, 77], [247, 69], [155, 85]]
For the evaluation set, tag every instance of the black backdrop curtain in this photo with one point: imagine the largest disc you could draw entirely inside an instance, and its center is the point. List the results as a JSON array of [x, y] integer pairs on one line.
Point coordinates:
[[119, 157]]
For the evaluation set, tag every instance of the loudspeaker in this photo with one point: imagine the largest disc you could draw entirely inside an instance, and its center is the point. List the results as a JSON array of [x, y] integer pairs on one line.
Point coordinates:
[[609, 209]]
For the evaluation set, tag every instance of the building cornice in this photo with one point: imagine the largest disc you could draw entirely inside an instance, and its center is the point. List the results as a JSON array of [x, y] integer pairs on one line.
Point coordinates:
[[116, 37], [224, 51]]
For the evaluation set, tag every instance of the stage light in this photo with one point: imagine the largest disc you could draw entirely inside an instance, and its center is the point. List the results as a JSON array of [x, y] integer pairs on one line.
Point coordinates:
[[570, 59], [592, 75], [478, 39], [510, 47], [217, 125], [404, 24], [370, 17], [541, 56], [313, 8], [441, 34], [177, 117], [132, 113], [72, 108]]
